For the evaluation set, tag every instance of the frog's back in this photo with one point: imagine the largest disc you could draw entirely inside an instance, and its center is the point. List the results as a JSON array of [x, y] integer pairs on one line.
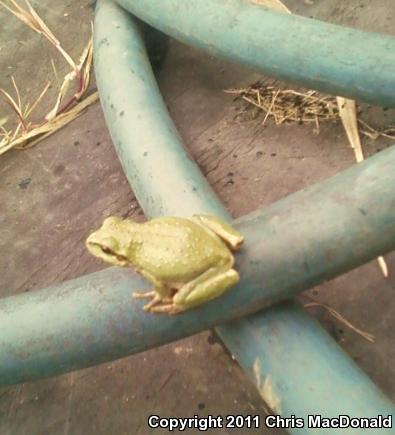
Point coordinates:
[[178, 248]]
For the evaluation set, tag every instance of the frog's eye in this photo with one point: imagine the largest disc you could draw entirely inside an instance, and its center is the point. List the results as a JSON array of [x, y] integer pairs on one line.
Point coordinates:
[[106, 250]]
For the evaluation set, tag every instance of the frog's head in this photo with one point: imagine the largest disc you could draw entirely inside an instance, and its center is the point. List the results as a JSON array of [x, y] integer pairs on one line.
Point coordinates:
[[110, 242]]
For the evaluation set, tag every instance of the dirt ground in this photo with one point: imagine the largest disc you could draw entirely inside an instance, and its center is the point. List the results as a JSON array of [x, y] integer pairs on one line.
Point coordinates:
[[53, 194]]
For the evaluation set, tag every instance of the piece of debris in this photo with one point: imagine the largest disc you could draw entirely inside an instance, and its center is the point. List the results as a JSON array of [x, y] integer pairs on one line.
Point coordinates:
[[24, 183]]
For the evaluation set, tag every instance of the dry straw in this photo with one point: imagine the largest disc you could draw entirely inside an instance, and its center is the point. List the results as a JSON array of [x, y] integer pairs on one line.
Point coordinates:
[[311, 107], [26, 133], [366, 335], [288, 105]]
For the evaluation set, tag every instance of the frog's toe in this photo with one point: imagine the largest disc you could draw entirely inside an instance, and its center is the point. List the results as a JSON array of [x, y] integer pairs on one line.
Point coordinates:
[[154, 301], [144, 295], [169, 309]]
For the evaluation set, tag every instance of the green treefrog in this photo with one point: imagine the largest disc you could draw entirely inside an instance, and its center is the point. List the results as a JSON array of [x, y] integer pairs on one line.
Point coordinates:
[[189, 261]]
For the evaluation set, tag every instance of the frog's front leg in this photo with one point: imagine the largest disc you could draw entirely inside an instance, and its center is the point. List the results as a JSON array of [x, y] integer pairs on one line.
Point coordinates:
[[223, 230], [160, 293], [210, 285]]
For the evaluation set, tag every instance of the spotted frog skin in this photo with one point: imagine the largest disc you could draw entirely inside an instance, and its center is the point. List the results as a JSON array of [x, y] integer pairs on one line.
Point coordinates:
[[188, 261]]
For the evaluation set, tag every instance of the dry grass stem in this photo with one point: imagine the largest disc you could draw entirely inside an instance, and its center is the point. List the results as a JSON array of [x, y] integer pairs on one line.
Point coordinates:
[[30, 17], [26, 133], [15, 107], [34, 135], [373, 134], [341, 319]]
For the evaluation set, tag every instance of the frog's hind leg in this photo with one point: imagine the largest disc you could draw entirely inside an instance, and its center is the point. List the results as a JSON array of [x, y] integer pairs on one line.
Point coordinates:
[[222, 229], [208, 286]]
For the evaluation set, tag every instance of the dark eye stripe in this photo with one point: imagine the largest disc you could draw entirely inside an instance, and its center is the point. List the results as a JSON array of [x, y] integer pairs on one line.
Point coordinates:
[[108, 251]]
